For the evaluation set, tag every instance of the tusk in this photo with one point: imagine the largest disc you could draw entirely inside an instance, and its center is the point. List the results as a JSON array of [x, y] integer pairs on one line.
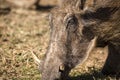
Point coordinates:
[[37, 61], [92, 45]]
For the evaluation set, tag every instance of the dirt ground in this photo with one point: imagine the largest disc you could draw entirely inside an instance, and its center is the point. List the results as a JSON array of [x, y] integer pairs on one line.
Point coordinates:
[[25, 30]]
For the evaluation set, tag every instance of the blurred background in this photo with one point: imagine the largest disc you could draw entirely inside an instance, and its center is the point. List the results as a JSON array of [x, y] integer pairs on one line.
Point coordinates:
[[24, 26]]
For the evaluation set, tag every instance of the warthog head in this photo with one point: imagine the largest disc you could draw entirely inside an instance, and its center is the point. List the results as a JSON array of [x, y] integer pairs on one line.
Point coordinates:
[[75, 28], [67, 46], [64, 50]]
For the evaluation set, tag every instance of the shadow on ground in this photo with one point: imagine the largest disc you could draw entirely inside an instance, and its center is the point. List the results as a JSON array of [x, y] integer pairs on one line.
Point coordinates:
[[93, 75], [4, 11], [44, 8]]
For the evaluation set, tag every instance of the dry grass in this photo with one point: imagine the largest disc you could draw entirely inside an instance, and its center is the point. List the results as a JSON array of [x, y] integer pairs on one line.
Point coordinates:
[[21, 31]]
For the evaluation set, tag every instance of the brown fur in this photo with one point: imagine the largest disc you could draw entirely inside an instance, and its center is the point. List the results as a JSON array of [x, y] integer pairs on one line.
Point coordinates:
[[107, 27]]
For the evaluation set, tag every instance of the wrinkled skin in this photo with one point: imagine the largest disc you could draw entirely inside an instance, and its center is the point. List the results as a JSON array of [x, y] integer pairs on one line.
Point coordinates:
[[74, 34], [64, 48]]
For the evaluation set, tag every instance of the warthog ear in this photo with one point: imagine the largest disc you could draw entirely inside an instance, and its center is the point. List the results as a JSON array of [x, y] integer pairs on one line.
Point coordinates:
[[80, 4]]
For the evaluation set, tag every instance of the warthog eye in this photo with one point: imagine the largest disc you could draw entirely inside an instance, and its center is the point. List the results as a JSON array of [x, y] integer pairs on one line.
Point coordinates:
[[72, 23]]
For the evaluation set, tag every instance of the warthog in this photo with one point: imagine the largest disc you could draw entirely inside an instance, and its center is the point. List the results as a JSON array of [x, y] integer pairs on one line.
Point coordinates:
[[76, 28]]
